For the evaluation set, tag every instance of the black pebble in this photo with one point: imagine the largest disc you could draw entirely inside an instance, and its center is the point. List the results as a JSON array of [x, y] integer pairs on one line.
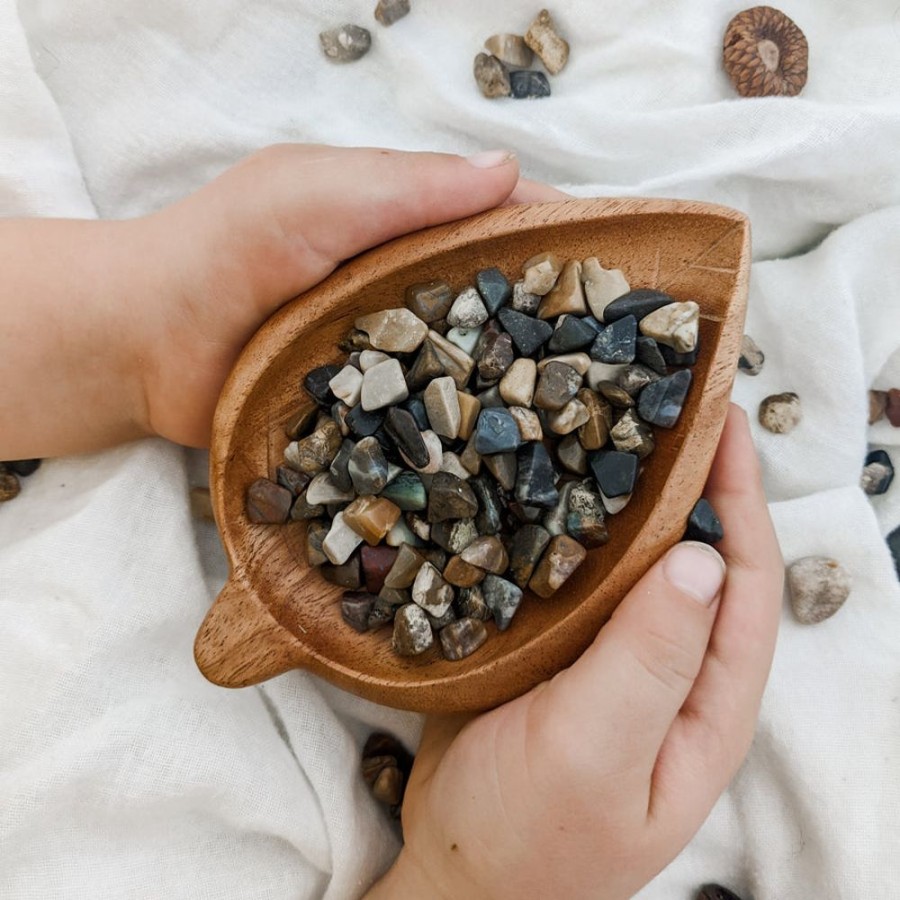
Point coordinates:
[[893, 542], [573, 334], [23, 467], [528, 333], [648, 353], [637, 303], [528, 83], [316, 383], [615, 472], [673, 358], [881, 457], [494, 288], [617, 342], [661, 402], [716, 892], [703, 524], [402, 429], [362, 423], [536, 477], [416, 408]]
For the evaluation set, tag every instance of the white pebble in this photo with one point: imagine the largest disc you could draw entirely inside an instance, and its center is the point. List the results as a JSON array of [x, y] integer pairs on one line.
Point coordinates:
[[401, 533], [370, 358], [383, 385], [598, 371], [468, 310], [450, 463], [601, 286], [322, 489], [341, 541], [464, 338], [430, 591], [347, 385], [614, 505], [677, 325]]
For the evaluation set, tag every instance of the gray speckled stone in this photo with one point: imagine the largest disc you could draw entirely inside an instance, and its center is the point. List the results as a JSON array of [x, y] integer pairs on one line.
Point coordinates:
[[818, 586]]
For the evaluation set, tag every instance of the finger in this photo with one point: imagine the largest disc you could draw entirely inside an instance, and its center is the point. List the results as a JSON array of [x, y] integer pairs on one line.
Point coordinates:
[[714, 730], [438, 734], [624, 692], [289, 214], [535, 192]]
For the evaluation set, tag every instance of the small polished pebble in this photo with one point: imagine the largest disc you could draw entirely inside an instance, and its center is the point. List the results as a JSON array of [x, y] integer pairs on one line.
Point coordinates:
[[426, 367], [496, 432], [267, 502], [528, 422], [468, 310], [401, 534], [429, 301], [367, 467], [323, 489], [347, 385], [469, 604], [316, 531], [877, 473], [346, 575], [442, 407], [617, 343], [407, 492], [528, 333], [314, 454], [465, 338], [545, 40], [703, 524], [540, 273], [614, 471], [510, 49], [601, 286], [648, 353], [635, 378], [461, 574], [614, 505], [661, 402], [303, 509], [296, 482], [340, 468], [340, 541], [431, 592], [412, 631], [406, 566], [780, 413], [503, 467], [355, 609], [527, 84], [496, 357], [579, 361], [376, 562], [518, 384], [488, 519], [572, 453], [535, 477], [450, 463], [450, 498], [752, 358], [554, 518], [594, 433], [571, 333], [469, 407], [383, 385], [316, 384], [389, 11], [638, 303], [566, 420], [556, 386], [585, 520], [566, 296], [617, 396], [346, 43], [371, 518], [523, 301], [397, 330], [488, 553], [632, 435], [369, 358], [404, 431], [494, 288], [462, 638], [818, 588], [877, 406], [435, 450], [560, 560], [526, 548], [456, 363], [491, 76], [502, 598], [676, 325], [490, 398], [454, 535], [362, 423]]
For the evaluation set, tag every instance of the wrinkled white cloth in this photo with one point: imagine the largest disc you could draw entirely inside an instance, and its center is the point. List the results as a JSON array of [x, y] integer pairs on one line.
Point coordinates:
[[122, 772]]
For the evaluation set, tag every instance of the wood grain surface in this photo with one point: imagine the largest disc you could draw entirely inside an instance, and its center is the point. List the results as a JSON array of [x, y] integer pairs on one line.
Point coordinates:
[[276, 614]]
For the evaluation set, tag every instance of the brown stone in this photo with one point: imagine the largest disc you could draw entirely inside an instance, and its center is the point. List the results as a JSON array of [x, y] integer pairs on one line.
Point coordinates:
[[405, 568], [892, 407], [462, 574], [491, 76], [561, 558], [430, 300], [557, 385], [461, 638], [469, 407], [371, 518], [546, 42], [487, 553], [376, 562], [315, 453], [567, 295], [510, 49], [267, 502], [595, 432], [877, 406], [316, 532]]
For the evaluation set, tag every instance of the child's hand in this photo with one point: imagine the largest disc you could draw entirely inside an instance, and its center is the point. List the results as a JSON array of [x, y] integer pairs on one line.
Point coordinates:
[[115, 330], [590, 784]]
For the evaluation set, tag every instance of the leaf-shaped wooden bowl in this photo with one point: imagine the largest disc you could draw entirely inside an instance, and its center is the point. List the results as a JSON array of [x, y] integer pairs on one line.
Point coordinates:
[[275, 613]]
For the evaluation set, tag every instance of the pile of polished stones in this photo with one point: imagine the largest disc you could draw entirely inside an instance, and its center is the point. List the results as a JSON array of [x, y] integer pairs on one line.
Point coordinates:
[[475, 443], [504, 71]]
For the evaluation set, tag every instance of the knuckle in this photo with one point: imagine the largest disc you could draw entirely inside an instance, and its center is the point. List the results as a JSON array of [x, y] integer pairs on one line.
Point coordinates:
[[667, 661]]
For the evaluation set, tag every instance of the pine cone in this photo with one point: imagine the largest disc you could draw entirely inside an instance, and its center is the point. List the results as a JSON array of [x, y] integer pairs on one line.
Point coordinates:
[[765, 54]]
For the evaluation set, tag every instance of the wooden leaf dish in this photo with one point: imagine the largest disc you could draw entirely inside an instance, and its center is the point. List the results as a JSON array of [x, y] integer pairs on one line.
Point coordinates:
[[275, 614]]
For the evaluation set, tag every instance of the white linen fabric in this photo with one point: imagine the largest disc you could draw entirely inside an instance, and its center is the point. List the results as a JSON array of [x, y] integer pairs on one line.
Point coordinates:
[[122, 772]]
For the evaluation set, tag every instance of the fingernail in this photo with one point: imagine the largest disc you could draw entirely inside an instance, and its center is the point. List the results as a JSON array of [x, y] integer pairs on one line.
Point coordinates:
[[490, 159], [696, 569]]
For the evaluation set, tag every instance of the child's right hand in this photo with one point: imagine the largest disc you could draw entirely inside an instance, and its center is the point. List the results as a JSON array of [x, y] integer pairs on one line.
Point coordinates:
[[590, 784]]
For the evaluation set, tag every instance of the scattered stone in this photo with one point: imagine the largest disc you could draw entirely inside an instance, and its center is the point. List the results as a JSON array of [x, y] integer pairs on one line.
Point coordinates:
[[580, 362], [676, 325], [557, 385], [362, 423], [491, 76], [526, 548], [405, 568], [877, 406], [346, 575], [614, 505], [703, 524], [429, 301], [412, 631], [435, 454], [491, 399], [427, 366], [346, 43], [573, 415], [601, 286], [401, 534], [397, 330], [371, 518], [780, 413], [503, 467], [510, 49], [661, 402], [502, 598], [430, 591], [406, 435], [679, 359], [465, 338], [648, 354], [614, 471], [892, 407], [523, 301], [526, 84], [267, 502], [461, 574], [528, 423], [456, 363], [356, 607], [369, 358], [442, 407], [389, 11], [818, 587], [541, 273], [468, 310], [594, 433], [617, 396], [340, 467], [635, 378], [469, 604], [296, 482], [517, 385], [367, 467], [383, 385], [406, 492], [878, 473], [560, 560], [639, 303], [631, 435], [544, 39], [316, 532], [566, 296], [528, 333], [617, 343], [752, 358], [303, 509], [554, 518], [316, 384], [536, 477], [496, 432]]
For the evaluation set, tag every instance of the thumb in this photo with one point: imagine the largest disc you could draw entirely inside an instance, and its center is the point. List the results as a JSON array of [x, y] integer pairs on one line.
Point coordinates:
[[642, 665], [286, 216]]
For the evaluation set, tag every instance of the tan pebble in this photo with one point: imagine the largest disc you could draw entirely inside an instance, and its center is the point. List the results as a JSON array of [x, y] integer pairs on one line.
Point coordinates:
[[567, 295], [393, 330], [780, 413], [580, 362], [818, 586], [510, 49], [546, 41], [573, 415], [677, 325], [405, 568], [341, 541], [487, 553], [601, 286], [561, 558], [371, 518], [491, 76], [540, 273], [462, 574], [517, 385], [528, 422], [595, 432], [456, 363], [469, 407]]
